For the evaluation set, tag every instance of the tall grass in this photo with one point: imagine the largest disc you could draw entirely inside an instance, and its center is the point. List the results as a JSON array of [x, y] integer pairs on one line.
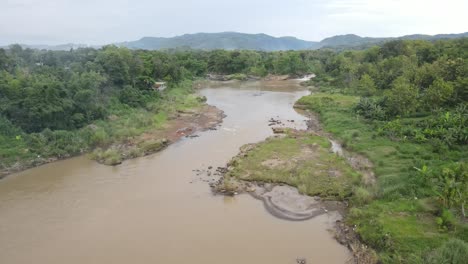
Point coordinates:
[[399, 216]]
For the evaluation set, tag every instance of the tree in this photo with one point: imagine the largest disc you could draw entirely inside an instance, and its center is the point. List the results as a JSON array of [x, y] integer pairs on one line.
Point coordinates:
[[452, 186], [366, 86], [438, 93], [132, 97], [115, 63], [4, 60], [402, 99]]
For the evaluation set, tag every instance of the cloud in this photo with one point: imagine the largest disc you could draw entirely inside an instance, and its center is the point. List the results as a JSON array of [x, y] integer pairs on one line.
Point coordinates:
[[105, 21]]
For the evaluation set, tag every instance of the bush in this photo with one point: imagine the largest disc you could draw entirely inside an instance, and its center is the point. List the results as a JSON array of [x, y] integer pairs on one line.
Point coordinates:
[[446, 221], [132, 97], [451, 185], [109, 157], [450, 126], [7, 128], [153, 145], [100, 137], [393, 129], [237, 76], [454, 251], [370, 109], [362, 196]]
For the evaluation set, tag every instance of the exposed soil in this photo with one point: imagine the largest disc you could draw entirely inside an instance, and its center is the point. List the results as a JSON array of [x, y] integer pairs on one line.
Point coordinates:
[[183, 124], [286, 202], [280, 200], [187, 123]]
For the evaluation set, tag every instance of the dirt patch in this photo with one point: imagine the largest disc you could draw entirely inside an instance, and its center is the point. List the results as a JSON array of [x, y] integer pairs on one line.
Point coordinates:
[[272, 77], [348, 237], [184, 123], [273, 163], [304, 158], [286, 202]]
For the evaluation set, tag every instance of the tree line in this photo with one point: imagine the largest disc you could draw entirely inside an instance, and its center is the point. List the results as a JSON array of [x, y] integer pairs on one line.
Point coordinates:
[[44, 90]]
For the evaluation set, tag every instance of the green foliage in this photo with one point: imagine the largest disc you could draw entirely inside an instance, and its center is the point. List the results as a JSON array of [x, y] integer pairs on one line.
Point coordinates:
[[451, 186], [400, 216], [366, 86], [450, 127], [108, 157], [286, 160], [370, 109], [446, 220], [153, 145], [438, 93], [402, 98], [132, 97], [361, 196], [454, 251]]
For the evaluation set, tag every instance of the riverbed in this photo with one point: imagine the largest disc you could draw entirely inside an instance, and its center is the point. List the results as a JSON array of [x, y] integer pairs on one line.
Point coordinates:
[[156, 209]]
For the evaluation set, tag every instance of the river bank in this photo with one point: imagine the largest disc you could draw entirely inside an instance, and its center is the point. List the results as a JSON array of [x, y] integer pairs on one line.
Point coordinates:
[[126, 133], [156, 209], [370, 212], [299, 175], [184, 123], [269, 77], [393, 211]]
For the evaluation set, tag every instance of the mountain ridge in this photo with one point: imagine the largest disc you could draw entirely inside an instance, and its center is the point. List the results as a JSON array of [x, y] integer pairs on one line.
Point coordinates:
[[262, 42]]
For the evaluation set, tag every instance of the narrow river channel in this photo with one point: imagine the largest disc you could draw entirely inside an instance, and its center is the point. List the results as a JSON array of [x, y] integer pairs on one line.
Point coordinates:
[[156, 209]]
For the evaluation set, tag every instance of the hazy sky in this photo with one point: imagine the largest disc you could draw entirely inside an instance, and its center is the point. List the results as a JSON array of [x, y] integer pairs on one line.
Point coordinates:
[[106, 21]]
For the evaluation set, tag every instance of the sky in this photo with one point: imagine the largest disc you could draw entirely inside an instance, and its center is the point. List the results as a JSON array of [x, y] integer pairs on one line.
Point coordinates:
[[107, 21]]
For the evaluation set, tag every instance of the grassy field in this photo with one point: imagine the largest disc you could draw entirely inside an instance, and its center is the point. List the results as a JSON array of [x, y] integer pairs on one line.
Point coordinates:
[[300, 160], [400, 217]]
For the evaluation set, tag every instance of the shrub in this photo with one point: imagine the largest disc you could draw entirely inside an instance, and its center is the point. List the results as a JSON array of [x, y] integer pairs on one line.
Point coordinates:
[[108, 157], [393, 129], [451, 186], [369, 109], [153, 145], [446, 220], [100, 137], [402, 98], [454, 251], [361, 196], [450, 126]]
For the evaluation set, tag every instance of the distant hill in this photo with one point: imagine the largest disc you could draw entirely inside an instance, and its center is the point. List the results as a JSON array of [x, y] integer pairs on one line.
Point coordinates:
[[224, 40], [351, 40], [234, 40], [53, 47]]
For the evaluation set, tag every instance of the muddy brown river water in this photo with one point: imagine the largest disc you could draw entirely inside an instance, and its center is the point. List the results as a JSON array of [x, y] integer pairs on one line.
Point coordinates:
[[156, 209]]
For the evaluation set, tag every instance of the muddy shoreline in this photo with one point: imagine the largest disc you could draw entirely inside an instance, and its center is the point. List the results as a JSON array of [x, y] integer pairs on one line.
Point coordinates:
[[285, 202], [184, 124], [77, 197]]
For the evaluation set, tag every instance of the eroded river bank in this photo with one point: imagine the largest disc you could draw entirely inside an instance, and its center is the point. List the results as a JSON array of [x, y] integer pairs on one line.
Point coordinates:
[[156, 209]]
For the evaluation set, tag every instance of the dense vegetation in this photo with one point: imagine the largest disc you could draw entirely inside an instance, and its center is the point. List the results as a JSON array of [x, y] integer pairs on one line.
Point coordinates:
[[402, 104], [56, 104]]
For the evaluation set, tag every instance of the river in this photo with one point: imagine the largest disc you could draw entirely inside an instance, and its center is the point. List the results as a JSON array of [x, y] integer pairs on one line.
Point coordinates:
[[156, 209]]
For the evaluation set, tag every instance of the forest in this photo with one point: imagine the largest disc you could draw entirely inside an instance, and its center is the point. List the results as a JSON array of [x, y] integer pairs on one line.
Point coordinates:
[[409, 98]]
